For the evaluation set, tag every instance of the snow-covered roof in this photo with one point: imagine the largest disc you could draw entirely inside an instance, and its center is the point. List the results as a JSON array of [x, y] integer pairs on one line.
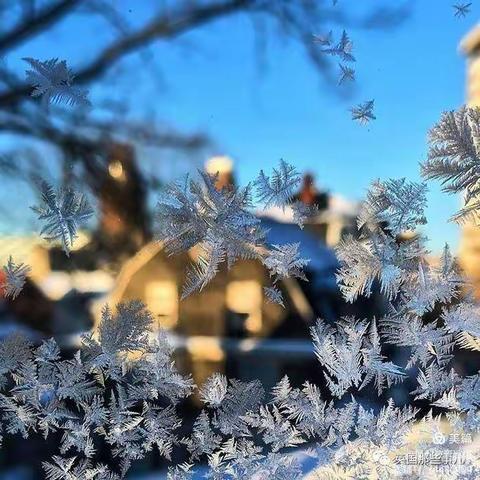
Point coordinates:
[[339, 208]]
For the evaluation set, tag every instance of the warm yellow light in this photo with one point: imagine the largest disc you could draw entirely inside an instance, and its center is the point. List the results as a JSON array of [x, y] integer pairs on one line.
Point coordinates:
[[161, 297], [219, 164], [115, 169], [245, 296], [205, 348]]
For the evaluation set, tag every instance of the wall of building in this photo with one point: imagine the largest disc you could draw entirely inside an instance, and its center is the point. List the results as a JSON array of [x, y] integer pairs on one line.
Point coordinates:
[[469, 247]]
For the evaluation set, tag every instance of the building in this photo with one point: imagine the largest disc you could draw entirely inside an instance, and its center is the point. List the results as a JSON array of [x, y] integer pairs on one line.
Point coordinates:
[[230, 326], [469, 249], [230, 323]]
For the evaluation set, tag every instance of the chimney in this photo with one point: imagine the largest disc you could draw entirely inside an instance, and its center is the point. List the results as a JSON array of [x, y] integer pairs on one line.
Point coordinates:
[[122, 196], [223, 167], [310, 195]]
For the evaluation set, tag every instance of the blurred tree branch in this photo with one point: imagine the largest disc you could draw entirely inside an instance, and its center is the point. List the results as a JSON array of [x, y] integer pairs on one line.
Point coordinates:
[[297, 20], [80, 134], [33, 24]]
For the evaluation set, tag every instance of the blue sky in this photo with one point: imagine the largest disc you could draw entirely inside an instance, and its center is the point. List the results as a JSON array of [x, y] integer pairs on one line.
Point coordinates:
[[211, 81], [413, 73]]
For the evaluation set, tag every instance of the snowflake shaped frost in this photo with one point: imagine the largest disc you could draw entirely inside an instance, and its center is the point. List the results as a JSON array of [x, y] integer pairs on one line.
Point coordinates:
[[273, 295], [363, 112], [218, 221], [283, 261], [214, 390], [461, 9], [454, 158], [303, 212], [52, 80], [15, 276], [278, 189], [62, 212], [342, 49], [396, 203], [347, 74]]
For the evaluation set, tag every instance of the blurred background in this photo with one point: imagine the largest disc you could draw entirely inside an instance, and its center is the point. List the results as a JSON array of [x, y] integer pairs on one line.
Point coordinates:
[[228, 86]]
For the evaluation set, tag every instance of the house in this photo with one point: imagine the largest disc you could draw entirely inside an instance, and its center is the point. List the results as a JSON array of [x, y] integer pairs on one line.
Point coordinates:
[[227, 326], [230, 324], [230, 319]]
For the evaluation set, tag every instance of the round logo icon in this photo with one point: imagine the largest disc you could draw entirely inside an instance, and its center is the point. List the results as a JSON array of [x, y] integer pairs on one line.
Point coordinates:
[[438, 438]]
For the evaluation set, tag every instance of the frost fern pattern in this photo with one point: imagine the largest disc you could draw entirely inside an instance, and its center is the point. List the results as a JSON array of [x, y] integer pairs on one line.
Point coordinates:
[[62, 213], [103, 391], [52, 80], [15, 277], [221, 223], [123, 386]]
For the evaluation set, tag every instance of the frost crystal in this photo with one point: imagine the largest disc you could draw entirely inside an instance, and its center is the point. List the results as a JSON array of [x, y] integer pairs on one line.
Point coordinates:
[[221, 225], [363, 112], [180, 472], [214, 390], [279, 188], [196, 213], [273, 295], [52, 80], [391, 208], [240, 399], [347, 74], [122, 387], [364, 262], [433, 381], [70, 469], [15, 276], [448, 400], [453, 158], [396, 203], [303, 212], [462, 9], [351, 357], [283, 261], [342, 49], [62, 213], [275, 428], [464, 321]]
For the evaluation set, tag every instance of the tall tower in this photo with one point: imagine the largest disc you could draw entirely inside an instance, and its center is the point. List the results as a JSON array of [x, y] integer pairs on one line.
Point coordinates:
[[469, 252], [470, 47]]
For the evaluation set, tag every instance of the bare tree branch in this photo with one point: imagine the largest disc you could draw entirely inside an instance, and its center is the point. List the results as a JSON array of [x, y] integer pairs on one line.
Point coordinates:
[[85, 137], [172, 23], [165, 25], [36, 23]]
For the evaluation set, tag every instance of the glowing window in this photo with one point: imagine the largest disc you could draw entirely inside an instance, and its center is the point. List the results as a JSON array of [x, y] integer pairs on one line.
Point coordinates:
[[245, 296], [161, 297]]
